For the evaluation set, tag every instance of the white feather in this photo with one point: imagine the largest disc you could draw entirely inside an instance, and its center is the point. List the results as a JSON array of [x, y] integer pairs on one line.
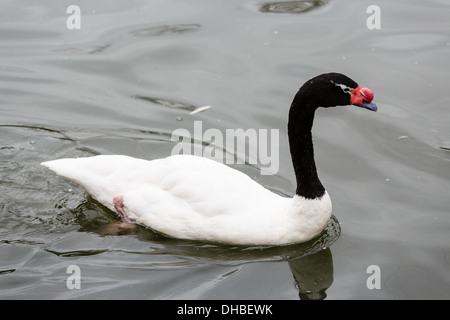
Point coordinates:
[[191, 197]]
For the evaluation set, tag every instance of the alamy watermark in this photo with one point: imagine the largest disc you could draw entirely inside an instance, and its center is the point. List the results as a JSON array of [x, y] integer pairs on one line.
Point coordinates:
[[374, 280], [74, 280], [237, 146], [73, 22], [374, 20]]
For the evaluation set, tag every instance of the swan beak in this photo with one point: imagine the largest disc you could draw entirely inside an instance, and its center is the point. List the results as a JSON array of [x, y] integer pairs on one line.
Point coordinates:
[[368, 105]]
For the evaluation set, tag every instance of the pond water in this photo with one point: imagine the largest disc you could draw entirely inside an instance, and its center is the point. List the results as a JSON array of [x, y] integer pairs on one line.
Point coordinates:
[[133, 73]]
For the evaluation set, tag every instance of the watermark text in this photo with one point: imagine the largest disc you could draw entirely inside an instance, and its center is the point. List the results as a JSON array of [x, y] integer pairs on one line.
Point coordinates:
[[74, 280], [374, 20], [73, 22], [237, 146], [374, 280]]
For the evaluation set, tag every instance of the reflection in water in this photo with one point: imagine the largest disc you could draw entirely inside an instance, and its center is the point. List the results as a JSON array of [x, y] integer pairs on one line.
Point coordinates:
[[291, 6], [313, 274]]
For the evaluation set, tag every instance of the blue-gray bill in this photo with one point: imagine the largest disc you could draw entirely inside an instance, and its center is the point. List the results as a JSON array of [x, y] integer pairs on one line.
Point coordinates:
[[368, 105]]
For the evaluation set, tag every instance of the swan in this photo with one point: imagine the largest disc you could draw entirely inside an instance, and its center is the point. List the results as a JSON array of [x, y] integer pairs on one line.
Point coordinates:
[[195, 198]]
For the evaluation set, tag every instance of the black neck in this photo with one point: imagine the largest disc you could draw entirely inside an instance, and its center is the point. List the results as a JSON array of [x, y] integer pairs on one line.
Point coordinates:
[[300, 123]]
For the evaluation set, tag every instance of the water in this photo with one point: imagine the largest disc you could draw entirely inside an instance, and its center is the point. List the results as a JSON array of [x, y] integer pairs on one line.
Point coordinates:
[[132, 74]]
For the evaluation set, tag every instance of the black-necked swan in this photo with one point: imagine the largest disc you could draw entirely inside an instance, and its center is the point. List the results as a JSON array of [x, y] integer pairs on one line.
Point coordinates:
[[191, 197]]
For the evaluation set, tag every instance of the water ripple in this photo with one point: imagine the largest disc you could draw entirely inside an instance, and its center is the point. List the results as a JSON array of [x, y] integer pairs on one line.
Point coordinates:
[[165, 30], [291, 6], [170, 103]]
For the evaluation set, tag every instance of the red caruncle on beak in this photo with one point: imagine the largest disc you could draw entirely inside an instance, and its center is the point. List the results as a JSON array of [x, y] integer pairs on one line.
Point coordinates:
[[359, 95]]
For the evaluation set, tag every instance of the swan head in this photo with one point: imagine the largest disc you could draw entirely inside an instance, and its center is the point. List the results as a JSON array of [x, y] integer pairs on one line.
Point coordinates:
[[335, 89]]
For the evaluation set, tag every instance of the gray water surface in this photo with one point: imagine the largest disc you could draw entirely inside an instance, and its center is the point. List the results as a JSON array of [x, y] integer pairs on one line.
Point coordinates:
[[131, 76]]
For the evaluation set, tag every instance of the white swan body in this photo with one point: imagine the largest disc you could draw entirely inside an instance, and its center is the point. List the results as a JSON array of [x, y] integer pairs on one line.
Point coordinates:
[[191, 197]]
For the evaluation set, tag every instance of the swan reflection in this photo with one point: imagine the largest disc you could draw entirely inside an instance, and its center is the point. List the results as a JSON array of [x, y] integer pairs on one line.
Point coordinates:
[[313, 274]]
